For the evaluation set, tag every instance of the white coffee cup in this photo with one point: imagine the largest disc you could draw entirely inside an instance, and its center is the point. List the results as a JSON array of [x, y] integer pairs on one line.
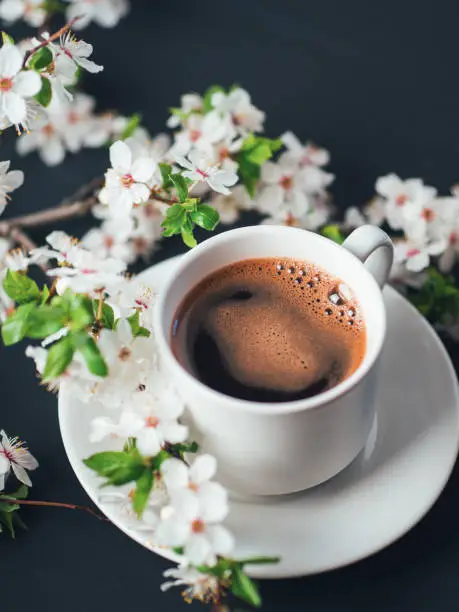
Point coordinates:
[[276, 448]]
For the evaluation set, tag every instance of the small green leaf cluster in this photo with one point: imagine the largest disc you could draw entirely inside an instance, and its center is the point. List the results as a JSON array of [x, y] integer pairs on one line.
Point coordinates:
[[231, 574], [333, 232], [121, 467], [9, 517], [438, 297], [183, 216], [255, 151]]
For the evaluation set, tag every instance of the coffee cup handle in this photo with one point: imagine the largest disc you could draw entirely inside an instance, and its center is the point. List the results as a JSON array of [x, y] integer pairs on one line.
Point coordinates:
[[375, 250]]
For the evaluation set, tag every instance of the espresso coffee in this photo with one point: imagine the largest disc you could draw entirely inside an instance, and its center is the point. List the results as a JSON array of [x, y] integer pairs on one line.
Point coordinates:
[[269, 330]]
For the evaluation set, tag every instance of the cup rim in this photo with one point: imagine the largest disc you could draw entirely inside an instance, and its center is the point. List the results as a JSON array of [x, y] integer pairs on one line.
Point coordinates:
[[314, 402]]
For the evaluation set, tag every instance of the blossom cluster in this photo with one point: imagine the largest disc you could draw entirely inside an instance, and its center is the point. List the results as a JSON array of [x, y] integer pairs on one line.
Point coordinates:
[[425, 225], [106, 13]]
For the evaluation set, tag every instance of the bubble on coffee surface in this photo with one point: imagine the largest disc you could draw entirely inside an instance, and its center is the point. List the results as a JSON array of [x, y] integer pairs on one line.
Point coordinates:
[[274, 330]]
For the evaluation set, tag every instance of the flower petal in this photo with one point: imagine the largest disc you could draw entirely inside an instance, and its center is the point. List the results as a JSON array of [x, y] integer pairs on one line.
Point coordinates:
[[213, 499], [175, 474], [173, 531], [185, 503], [14, 179], [21, 474], [198, 549], [10, 60], [148, 442], [4, 464], [142, 169], [120, 157], [221, 540], [14, 107], [203, 468], [27, 84]]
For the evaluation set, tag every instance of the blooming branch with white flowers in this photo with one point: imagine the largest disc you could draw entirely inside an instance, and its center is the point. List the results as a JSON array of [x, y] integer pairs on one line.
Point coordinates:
[[93, 321]]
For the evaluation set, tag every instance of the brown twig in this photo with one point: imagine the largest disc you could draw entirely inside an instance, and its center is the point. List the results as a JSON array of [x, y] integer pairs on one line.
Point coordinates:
[[46, 41], [76, 205], [30, 502], [154, 195], [26, 243]]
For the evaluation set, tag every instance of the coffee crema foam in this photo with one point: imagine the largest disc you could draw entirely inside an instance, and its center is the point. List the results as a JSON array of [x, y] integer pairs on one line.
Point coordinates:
[[269, 330]]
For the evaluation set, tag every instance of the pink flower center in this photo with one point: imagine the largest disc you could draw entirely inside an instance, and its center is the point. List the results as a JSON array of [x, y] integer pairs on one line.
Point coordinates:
[[6, 84], [109, 242], [412, 252], [127, 180], [401, 199], [88, 271], [193, 486], [223, 154], [141, 304], [202, 173], [195, 135], [286, 182], [124, 354], [73, 117], [428, 214], [7, 454], [197, 526], [48, 130], [453, 238], [151, 421]]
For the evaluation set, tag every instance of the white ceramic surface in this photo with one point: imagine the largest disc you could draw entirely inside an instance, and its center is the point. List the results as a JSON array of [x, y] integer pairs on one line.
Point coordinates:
[[387, 489], [283, 447]]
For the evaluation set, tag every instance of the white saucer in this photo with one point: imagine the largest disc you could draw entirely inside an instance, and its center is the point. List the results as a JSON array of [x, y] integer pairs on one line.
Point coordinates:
[[377, 499]]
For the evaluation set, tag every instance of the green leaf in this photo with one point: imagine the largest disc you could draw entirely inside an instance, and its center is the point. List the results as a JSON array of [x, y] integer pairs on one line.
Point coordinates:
[[21, 493], [244, 588], [188, 238], [166, 172], [44, 96], [255, 151], [41, 59], [333, 232], [7, 507], [181, 184], [206, 217], [6, 519], [132, 125], [86, 345], [59, 358], [44, 294], [108, 316], [20, 288], [207, 102], [175, 218], [7, 39], [181, 448], [14, 328], [45, 320], [142, 492], [118, 467]]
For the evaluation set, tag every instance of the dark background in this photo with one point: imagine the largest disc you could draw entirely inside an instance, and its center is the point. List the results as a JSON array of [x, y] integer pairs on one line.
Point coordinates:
[[374, 82]]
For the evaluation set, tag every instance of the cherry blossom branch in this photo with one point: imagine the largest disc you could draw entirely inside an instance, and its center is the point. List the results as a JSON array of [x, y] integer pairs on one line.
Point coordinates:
[[46, 41], [76, 205], [30, 502]]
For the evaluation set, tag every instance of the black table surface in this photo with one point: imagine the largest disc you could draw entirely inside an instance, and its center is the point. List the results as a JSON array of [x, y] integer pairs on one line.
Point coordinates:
[[374, 82]]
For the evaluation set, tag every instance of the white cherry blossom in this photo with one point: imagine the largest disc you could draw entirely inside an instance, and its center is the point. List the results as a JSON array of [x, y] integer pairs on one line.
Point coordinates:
[[201, 132], [230, 206], [106, 13], [16, 85], [111, 239], [151, 419], [70, 49], [283, 190], [9, 181], [31, 11], [126, 182], [15, 456], [305, 155], [237, 104], [197, 507], [200, 586], [189, 103], [399, 193], [16, 260], [199, 168], [415, 256]]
